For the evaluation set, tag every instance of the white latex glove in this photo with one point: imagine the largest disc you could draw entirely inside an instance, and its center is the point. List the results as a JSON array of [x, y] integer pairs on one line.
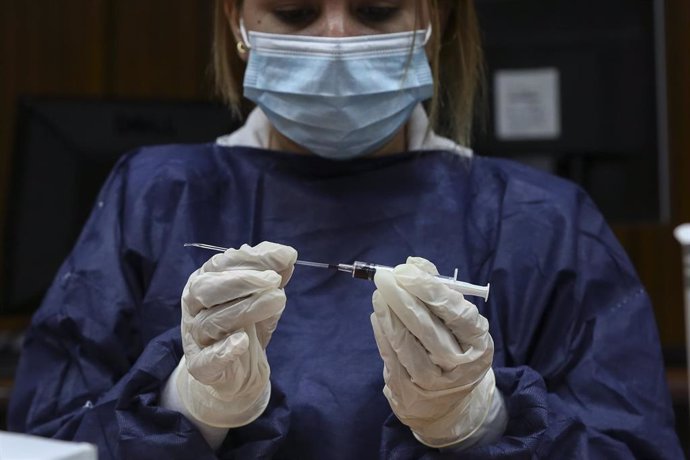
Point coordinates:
[[230, 308], [437, 354]]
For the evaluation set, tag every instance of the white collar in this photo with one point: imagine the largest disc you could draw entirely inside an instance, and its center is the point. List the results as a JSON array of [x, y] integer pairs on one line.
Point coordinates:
[[254, 133]]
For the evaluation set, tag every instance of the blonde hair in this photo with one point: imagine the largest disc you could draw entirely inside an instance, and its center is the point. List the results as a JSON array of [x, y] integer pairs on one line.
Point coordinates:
[[456, 61]]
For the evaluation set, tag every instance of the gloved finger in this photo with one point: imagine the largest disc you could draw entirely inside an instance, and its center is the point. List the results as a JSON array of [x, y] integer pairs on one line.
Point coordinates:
[[209, 364], [265, 329], [459, 315], [405, 398], [411, 403], [414, 358], [246, 376], [411, 354], [442, 346], [216, 288], [423, 264], [393, 372], [264, 256], [211, 325]]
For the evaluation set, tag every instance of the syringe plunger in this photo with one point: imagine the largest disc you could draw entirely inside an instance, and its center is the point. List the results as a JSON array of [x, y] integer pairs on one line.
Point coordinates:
[[365, 270]]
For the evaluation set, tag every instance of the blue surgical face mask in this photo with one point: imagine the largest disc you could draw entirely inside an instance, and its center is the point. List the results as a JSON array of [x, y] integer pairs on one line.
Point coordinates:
[[339, 98]]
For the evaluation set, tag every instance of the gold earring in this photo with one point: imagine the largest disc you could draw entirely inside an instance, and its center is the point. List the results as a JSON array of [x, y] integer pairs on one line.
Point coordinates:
[[241, 47]]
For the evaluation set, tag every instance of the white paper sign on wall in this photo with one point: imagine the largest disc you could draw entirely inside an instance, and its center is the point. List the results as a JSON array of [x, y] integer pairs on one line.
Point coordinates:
[[527, 104]]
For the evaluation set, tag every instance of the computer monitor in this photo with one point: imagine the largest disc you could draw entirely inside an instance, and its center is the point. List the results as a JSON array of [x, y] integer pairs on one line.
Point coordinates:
[[63, 153]]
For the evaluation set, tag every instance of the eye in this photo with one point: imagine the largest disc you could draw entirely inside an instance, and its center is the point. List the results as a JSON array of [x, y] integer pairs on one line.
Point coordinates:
[[376, 13], [296, 16]]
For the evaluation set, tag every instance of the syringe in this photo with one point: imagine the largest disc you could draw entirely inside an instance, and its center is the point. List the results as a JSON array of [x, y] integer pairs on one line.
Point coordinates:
[[366, 271]]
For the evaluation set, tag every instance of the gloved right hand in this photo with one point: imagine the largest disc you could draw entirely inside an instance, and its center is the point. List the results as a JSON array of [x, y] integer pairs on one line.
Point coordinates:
[[437, 353], [230, 308]]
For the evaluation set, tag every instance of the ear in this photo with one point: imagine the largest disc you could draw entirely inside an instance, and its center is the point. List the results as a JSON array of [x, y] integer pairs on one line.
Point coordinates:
[[233, 12]]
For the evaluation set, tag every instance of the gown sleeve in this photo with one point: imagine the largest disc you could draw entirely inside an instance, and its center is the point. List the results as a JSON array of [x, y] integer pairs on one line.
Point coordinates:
[[89, 371], [578, 357]]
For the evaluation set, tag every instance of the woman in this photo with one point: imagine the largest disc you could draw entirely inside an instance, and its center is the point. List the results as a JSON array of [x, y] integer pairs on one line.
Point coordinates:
[[563, 359]]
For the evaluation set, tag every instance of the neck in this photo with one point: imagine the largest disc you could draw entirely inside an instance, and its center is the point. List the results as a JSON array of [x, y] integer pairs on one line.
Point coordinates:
[[279, 142]]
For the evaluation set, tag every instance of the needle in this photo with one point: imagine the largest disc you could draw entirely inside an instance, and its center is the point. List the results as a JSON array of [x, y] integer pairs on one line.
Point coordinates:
[[299, 262]]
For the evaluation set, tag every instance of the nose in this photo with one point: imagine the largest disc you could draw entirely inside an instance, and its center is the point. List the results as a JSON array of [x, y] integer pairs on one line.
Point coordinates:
[[336, 21]]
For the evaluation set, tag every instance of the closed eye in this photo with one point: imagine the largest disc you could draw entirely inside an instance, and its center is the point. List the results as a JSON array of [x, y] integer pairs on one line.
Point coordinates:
[[296, 16], [376, 13]]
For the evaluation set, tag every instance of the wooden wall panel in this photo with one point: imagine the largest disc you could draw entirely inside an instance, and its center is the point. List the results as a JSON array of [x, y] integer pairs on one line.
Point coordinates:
[[7, 52], [652, 248], [58, 49], [656, 256], [48, 48], [160, 48], [678, 56]]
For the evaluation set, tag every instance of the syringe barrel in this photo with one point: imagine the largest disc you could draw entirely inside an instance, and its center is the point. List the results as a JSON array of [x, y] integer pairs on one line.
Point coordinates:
[[466, 288], [365, 270]]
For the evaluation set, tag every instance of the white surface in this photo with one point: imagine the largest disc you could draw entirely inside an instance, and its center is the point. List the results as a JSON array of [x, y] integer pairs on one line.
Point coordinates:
[[682, 234], [527, 104], [15, 446]]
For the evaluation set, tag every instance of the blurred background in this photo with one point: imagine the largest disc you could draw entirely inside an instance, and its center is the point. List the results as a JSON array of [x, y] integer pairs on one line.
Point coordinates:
[[595, 91]]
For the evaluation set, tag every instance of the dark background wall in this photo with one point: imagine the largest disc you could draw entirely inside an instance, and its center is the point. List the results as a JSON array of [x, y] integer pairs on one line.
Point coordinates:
[[160, 49], [114, 49], [102, 48]]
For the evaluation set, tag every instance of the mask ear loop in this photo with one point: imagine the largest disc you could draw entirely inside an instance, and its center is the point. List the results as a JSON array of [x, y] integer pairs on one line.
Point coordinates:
[[243, 46], [427, 37], [414, 45]]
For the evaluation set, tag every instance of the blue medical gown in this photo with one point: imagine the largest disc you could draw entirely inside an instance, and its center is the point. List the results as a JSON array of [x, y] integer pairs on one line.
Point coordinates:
[[577, 354]]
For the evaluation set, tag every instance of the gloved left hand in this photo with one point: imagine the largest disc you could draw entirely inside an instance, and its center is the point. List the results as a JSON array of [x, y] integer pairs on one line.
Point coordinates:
[[437, 354], [230, 308]]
